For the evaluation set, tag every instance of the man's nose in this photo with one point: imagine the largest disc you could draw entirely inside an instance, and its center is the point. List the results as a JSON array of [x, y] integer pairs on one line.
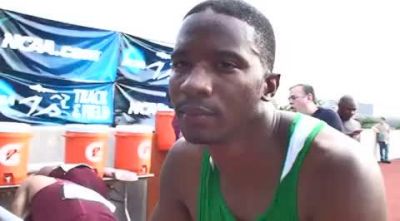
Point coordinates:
[[198, 82]]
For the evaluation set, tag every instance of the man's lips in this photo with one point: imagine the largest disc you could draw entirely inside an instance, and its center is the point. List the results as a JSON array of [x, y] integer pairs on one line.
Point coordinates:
[[194, 110]]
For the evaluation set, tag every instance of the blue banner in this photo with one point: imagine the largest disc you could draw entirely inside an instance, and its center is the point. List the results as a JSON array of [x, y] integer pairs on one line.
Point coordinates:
[[46, 100], [57, 73], [142, 82], [42, 47]]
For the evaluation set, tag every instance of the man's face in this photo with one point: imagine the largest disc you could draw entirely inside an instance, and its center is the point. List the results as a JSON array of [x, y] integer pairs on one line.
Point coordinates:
[[298, 100], [218, 79], [346, 110]]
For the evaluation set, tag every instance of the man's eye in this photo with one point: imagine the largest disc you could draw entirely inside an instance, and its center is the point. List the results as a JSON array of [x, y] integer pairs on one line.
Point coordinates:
[[226, 65], [179, 64]]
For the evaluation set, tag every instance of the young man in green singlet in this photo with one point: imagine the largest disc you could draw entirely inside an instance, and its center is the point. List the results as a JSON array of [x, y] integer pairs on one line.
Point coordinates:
[[240, 159]]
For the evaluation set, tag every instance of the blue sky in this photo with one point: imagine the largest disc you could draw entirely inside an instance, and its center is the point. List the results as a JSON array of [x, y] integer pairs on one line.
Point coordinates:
[[339, 47]]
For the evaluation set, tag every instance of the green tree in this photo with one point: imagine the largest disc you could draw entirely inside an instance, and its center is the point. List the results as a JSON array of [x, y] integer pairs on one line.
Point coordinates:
[[368, 122]]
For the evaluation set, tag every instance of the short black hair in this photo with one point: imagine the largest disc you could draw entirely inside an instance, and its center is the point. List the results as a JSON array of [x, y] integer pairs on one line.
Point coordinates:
[[346, 99], [265, 38]]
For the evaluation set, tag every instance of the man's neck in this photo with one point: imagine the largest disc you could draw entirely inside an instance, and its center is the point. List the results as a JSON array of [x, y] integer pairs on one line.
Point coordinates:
[[311, 109], [254, 145], [342, 118]]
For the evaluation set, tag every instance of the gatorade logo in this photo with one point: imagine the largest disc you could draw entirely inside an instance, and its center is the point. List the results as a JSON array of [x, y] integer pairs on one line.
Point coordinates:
[[94, 152], [144, 150], [10, 154]]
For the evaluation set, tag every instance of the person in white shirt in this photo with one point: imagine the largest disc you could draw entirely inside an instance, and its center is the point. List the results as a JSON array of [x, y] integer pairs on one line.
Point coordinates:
[[382, 130], [347, 108]]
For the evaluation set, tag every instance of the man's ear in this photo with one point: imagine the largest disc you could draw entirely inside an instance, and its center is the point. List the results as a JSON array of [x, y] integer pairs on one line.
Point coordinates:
[[271, 84], [311, 97]]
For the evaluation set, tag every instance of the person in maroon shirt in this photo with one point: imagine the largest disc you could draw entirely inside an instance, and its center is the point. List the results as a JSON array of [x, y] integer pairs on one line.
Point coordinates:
[[63, 195]]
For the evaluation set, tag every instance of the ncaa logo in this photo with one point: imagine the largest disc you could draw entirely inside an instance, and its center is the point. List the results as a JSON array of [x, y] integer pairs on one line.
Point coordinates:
[[144, 150], [94, 152], [10, 154]]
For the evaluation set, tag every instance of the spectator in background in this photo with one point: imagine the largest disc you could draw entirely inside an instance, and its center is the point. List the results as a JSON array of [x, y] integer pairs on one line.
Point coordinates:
[[346, 109], [382, 130], [302, 99]]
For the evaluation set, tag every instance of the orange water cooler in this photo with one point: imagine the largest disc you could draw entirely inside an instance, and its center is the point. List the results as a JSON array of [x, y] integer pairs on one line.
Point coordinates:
[[165, 134], [87, 144], [133, 145], [14, 152]]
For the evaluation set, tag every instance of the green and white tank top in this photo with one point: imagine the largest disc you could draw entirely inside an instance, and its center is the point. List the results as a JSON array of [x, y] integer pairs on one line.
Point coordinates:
[[211, 204]]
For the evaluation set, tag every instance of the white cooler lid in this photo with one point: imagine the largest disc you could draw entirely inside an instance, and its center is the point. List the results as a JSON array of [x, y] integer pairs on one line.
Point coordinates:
[[85, 128], [134, 128], [14, 127]]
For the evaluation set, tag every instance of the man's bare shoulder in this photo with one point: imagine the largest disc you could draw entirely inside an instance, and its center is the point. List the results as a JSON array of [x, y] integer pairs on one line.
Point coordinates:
[[179, 182], [183, 148], [334, 147], [184, 156], [346, 173], [183, 161]]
